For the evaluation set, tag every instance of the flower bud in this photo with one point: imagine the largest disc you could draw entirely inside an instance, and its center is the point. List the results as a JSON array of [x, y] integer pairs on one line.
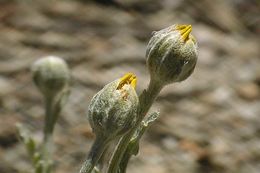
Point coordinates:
[[112, 111], [51, 75], [172, 54]]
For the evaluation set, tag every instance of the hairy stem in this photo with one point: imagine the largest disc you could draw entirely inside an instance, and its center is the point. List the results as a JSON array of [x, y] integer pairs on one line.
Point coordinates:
[[47, 146], [48, 126], [146, 100], [95, 153]]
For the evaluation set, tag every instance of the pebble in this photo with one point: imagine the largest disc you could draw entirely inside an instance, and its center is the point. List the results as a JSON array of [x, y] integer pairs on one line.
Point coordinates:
[[248, 91]]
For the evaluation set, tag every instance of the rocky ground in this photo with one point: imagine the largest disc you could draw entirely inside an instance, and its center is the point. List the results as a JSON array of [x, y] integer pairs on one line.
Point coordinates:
[[209, 123]]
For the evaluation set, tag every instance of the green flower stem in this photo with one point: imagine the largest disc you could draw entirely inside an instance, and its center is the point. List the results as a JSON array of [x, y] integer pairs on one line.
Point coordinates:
[[47, 145], [133, 145], [48, 126], [47, 150], [146, 100], [95, 153]]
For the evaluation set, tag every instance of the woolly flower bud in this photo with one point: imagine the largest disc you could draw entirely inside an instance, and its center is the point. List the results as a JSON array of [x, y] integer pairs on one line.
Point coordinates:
[[172, 54], [51, 75], [112, 111]]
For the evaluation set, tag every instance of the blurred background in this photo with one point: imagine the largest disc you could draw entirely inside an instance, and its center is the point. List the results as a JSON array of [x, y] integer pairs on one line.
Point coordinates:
[[209, 123]]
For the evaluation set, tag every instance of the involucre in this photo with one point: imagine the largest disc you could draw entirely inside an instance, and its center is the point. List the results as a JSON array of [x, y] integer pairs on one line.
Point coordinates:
[[172, 54]]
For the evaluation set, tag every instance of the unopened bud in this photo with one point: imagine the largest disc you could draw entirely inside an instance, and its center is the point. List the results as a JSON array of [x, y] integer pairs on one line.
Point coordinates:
[[172, 54], [112, 111], [51, 75]]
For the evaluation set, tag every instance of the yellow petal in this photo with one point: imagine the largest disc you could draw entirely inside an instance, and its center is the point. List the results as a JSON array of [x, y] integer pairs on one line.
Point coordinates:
[[185, 31], [128, 78]]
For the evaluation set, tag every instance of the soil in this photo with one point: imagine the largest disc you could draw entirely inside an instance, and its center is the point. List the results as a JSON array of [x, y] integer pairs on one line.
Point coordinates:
[[209, 123]]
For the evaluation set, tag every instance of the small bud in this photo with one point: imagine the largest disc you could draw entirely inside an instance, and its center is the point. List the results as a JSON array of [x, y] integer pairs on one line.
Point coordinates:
[[112, 111], [51, 75], [172, 54]]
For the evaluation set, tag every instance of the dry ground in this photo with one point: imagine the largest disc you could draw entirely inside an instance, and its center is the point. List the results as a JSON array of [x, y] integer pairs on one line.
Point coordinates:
[[209, 123]]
